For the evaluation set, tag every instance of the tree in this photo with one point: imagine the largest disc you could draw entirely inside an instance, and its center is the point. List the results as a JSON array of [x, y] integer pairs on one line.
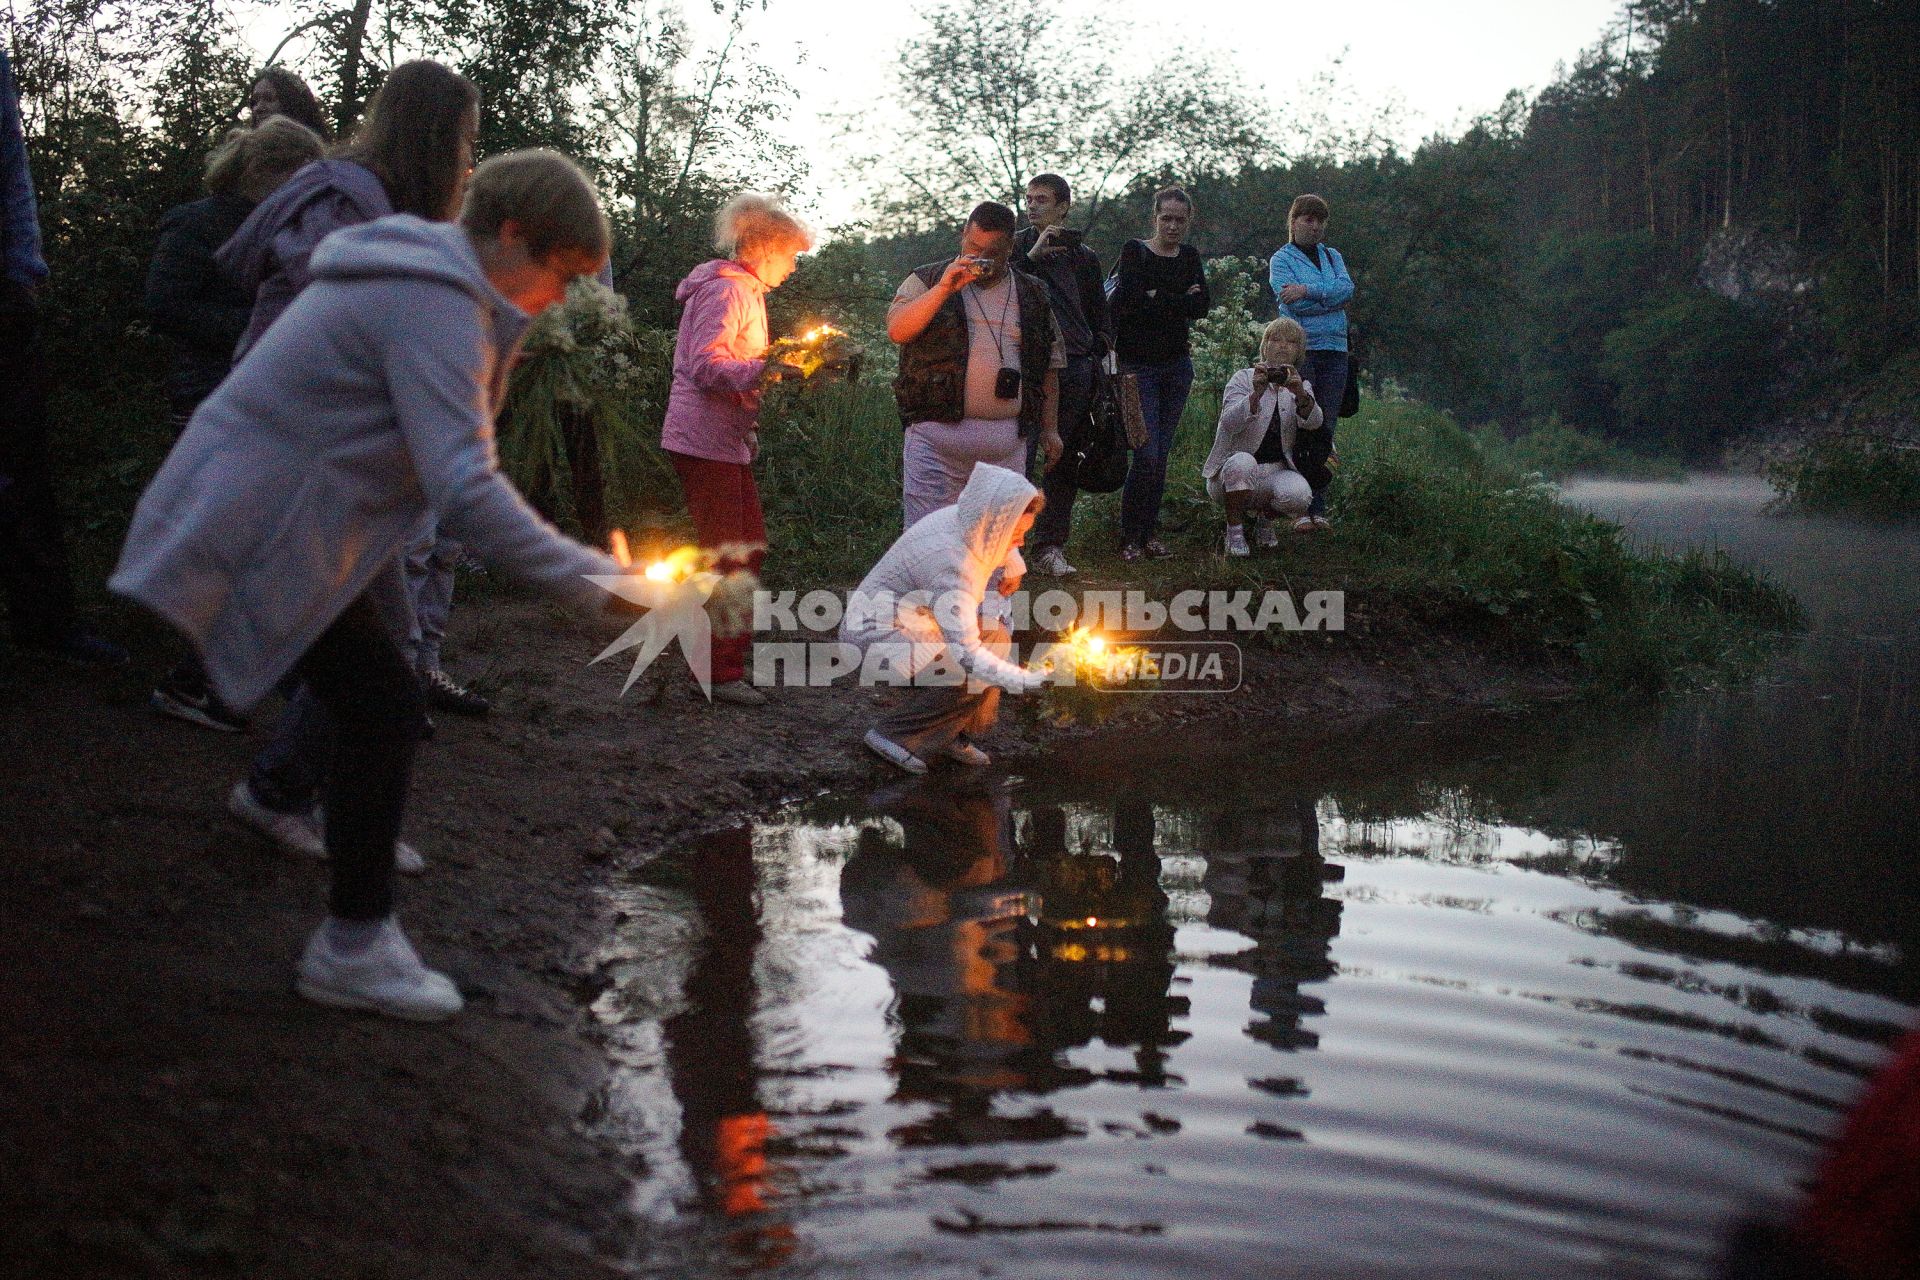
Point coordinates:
[[677, 131], [994, 91]]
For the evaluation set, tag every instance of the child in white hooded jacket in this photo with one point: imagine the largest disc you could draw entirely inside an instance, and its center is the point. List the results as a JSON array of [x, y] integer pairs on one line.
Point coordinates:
[[917, 616]]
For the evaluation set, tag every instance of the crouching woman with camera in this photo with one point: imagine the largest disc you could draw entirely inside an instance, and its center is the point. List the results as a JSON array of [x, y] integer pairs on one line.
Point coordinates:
[[1253, 469]]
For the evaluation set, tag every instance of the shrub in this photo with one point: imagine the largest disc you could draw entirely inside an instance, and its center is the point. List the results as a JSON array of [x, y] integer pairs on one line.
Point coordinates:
[[1852, 474]]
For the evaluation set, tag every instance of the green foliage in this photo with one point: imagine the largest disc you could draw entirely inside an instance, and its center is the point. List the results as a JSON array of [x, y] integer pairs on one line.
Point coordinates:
[[1852, 475], [1227, 339], [587, 357], [1549, 447], [1689, 369]]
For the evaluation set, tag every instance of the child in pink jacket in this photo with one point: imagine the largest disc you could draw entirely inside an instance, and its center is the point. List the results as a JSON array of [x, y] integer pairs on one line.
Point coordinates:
[[713, 411]]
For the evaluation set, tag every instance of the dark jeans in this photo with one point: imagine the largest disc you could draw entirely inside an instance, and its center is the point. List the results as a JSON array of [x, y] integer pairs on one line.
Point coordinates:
[[366, 686], [1163, 397], [287, 772], [34, 573], [1327, 371], [1076, 402]]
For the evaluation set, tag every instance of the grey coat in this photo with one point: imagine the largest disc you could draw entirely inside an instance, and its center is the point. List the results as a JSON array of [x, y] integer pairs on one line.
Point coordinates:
[[363, 417]]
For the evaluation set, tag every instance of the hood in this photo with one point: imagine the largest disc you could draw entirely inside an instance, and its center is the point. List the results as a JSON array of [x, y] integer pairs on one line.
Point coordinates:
[[403, 247], [244, 257], [989, 507], [717, 269]]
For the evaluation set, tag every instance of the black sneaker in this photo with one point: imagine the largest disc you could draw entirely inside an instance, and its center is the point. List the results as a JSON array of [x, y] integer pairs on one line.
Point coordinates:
[[176, 698], [444, 693]]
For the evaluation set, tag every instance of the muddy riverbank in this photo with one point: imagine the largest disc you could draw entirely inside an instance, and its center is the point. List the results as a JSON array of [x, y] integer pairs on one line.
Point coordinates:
[[174, 1110]]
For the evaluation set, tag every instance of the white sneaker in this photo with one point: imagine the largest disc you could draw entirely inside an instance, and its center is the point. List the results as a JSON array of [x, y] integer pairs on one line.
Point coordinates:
[[962, 752], [739, 693], [893, 753], [302, 834], [1265, 535], [1051, 562], [1237, 541], [386, 977], [296, 833]]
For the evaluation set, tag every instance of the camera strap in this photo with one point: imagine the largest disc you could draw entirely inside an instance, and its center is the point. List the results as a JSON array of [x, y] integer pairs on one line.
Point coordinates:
[[1006, 308]]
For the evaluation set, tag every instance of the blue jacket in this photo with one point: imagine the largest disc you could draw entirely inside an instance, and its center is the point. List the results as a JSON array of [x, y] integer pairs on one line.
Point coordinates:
[[20, 259], [1323, 312]]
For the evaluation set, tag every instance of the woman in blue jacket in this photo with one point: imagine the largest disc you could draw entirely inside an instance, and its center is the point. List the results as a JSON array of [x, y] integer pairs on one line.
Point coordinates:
[[1310, 279]]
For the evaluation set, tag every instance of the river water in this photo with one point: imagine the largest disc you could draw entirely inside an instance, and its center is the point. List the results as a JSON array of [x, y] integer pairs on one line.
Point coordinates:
[[1522, 995]]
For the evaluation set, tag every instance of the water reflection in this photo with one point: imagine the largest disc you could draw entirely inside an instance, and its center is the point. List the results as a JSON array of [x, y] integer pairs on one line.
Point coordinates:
[[712, 1059], [1004, 956], [1264, 876]]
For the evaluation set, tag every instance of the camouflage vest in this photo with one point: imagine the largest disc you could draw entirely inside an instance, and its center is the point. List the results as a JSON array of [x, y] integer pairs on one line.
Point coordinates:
[[932, 383]]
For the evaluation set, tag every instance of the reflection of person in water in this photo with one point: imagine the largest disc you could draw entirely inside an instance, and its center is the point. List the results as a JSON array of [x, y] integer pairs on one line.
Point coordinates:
[[711, 1064], [1264, 877], [1104, 936], [986, 999], [944, 927]]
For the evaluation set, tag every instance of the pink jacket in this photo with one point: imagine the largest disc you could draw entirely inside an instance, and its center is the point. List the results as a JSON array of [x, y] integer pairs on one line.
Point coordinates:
[[717, 359]]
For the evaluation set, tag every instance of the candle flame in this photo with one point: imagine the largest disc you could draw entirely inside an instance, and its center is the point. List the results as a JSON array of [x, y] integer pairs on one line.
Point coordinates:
[[676, 566]]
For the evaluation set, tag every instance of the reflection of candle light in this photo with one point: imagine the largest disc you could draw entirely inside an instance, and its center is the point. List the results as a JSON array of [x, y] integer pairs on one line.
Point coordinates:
[[617, 545]]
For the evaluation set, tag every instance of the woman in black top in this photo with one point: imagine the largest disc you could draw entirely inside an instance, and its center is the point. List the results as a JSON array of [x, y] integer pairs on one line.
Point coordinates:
[[1159, 289]]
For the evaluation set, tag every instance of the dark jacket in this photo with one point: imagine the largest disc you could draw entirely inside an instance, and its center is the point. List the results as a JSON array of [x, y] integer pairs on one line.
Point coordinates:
[[1153, 330], [191, 301], [1078, 288], [932, 383]]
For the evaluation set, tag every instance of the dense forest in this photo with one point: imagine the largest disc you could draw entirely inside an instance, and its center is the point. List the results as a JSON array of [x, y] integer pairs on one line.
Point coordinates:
[[1711, 216]]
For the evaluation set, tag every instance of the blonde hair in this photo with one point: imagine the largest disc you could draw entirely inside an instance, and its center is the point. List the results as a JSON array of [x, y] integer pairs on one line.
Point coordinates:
[[250, 163], [553, 202], [752, 221], [1289, 331]]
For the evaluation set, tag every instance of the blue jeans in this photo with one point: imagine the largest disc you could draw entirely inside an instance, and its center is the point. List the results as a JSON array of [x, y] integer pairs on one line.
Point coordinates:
[[1163, 398], [1327, 371]]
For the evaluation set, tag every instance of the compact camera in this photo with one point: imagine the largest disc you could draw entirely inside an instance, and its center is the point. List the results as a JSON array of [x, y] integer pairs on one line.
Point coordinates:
[[1067, 237]]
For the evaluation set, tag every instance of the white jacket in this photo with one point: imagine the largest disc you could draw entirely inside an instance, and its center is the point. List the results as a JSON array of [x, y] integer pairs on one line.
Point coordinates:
[[1243, 423], [926, 592]]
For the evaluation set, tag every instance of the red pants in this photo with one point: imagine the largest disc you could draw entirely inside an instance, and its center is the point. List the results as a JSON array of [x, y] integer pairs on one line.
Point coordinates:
[[725, 506]]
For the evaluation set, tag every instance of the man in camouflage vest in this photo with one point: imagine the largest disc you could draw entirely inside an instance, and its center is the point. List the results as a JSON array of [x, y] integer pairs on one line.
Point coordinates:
[[980, 361]]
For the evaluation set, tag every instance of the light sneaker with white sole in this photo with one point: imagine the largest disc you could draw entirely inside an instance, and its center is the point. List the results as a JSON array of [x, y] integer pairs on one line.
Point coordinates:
[[1051, 562], [739, 693], [1237, 541], [301, 833], [1265, 535], [386, 976], [893, 753], [960, 751]]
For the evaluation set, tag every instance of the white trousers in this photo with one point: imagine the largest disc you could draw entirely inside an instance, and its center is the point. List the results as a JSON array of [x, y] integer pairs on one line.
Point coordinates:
[[1272, 488]]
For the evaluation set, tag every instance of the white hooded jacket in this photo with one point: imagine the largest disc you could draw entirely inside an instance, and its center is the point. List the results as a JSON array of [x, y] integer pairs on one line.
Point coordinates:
[[926, 592]]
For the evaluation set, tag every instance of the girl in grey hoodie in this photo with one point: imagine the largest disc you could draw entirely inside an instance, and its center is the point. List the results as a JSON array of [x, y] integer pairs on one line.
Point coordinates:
[[272, 536]]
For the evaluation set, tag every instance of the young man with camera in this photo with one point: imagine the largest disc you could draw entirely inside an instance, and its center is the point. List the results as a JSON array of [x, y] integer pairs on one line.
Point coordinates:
[[1054, 254], [979, 365]]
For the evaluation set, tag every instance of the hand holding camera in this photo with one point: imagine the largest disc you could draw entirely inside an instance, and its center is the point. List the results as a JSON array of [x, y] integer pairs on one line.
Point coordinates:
[[963, 271]]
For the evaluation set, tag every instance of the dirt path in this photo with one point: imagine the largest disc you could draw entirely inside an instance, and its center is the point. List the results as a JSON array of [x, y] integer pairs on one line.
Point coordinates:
[[173, 1110]]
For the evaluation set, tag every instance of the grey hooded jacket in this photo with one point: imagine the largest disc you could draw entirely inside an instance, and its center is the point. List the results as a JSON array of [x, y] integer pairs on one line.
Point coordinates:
[[345, 431]]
